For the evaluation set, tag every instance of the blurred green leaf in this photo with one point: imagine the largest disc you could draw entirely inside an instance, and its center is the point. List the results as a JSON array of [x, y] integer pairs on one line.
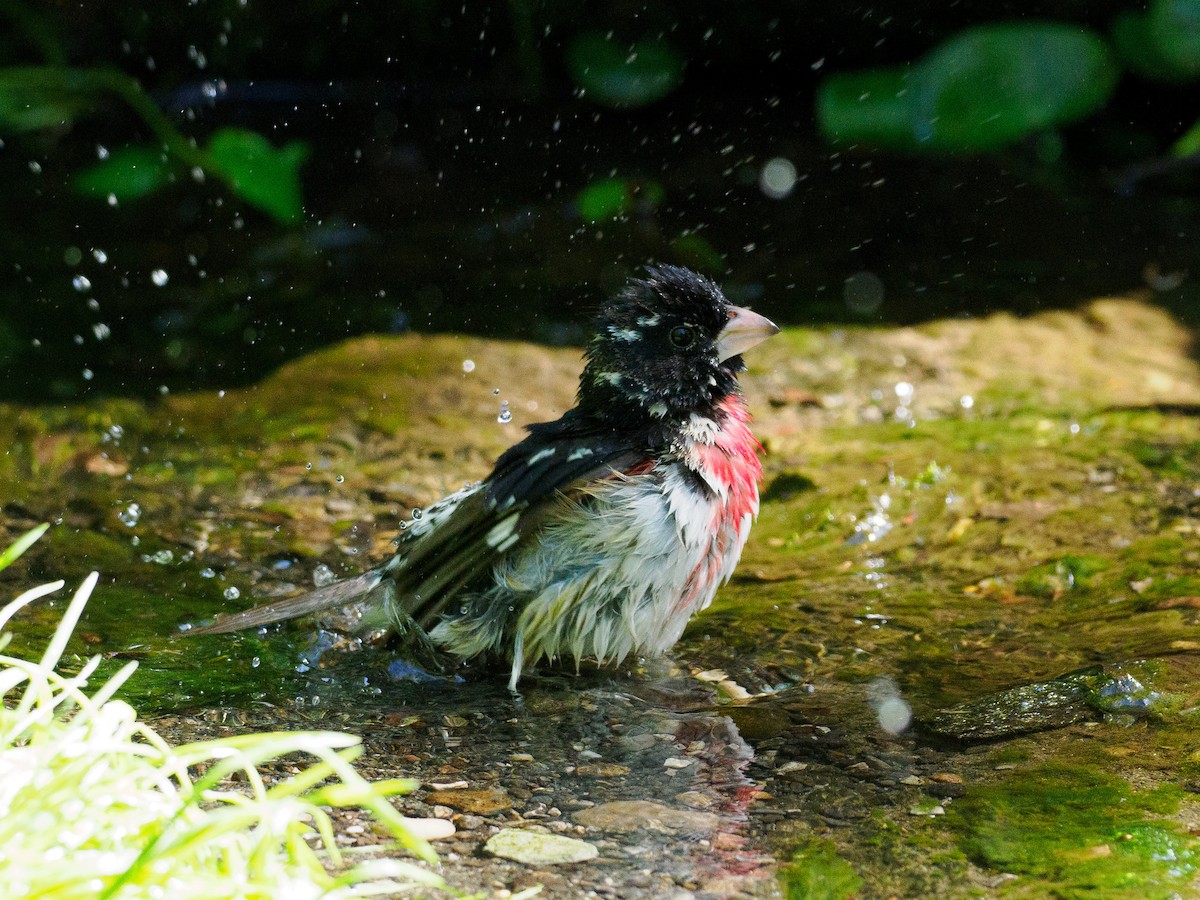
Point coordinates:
[[872, 106], [696, 252], [30, 103], [21, 544], [127, 174], [1147, 46], [609, 198], [620, 76], [981, 90], [1189, 144], [260, 174], [1174, 27]]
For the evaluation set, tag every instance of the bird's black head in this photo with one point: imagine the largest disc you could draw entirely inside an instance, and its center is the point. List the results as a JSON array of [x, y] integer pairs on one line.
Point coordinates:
[[667, 346]]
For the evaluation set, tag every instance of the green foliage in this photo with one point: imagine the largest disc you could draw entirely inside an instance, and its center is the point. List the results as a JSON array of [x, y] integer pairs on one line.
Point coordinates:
[[1189, 143], [611, 198], [23, 543], [28, 103], [258, 173], [33, 98], [127, 174], [120, 813], [624, 76], [1162, 43], [697, 252], [981, 90]]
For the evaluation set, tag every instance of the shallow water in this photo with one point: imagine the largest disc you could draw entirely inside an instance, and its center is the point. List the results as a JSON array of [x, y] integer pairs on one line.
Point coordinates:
[[989, 527]]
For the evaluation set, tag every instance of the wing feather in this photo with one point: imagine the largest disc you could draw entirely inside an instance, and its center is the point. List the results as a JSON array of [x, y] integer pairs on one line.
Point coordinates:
[[558, 458]]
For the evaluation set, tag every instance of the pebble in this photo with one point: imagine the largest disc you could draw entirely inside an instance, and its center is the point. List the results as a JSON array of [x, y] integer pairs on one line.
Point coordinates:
[[946, 778], [625, 816], [927, 809], [430, 829], [601, 770], [694, 799], [536, 849], [675, 762], [480, 802]]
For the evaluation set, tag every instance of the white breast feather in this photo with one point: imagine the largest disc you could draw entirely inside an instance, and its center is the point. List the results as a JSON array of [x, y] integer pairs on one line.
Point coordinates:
[[620, 575]]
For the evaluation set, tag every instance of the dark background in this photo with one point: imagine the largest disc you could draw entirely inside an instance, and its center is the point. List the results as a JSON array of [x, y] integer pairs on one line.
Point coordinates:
[[450, 145]]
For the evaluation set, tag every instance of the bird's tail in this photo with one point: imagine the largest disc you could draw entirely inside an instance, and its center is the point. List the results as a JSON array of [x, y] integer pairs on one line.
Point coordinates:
[[339, 593]]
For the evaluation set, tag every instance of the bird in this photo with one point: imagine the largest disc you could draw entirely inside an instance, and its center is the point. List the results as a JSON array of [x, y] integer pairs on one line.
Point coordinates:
[[601, 533]]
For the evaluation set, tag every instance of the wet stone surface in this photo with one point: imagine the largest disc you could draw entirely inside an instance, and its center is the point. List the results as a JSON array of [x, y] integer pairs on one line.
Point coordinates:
[[961, 656]]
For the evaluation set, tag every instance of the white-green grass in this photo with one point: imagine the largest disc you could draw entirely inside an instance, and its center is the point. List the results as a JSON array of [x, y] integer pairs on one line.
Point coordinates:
[[94, 804]]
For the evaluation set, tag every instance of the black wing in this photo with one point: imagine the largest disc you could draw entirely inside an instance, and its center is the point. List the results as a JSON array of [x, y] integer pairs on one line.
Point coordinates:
[[556, 458], [479, 529]]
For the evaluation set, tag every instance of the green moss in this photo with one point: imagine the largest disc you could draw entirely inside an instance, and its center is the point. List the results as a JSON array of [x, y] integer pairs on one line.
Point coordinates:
[[1053, 579], [816, 872], [1079, 831]]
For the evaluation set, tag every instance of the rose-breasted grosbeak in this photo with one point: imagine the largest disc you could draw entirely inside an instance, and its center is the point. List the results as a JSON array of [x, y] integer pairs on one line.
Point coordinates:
[[601, 533]]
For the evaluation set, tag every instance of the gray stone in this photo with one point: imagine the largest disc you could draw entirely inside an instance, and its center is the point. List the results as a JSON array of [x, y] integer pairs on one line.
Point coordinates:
[[533, 848], [624, 816]]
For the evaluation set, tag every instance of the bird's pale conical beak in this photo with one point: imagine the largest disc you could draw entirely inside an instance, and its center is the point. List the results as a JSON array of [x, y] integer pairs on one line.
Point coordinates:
[[745, 330]]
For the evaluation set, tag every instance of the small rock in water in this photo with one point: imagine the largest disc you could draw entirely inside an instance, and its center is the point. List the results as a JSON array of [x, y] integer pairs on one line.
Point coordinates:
[[536, 849], [623, 816], [601, 770], [481, 803], [430, 829]]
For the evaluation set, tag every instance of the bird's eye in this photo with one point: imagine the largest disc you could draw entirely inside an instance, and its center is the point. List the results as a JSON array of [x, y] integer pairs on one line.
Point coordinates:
[[682, 336]]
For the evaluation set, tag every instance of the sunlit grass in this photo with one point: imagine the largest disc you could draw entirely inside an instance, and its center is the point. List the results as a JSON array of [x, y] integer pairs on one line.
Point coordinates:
[[95, 804]]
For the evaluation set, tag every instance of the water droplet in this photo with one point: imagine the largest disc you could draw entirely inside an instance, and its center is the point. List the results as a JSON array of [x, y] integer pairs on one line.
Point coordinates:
[[207, 573], [340, 479], [112, 199], [777, 178], [101, 331], [966, 401], [505, 415], [308, 467], [100, 256], [468, 365], [231, 593], [417, 513], [495, 392], [81, 283], [323, 575], [255, 663], [161, 558], [863, 293], [159, 277], [904, 391], [88, 374]]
